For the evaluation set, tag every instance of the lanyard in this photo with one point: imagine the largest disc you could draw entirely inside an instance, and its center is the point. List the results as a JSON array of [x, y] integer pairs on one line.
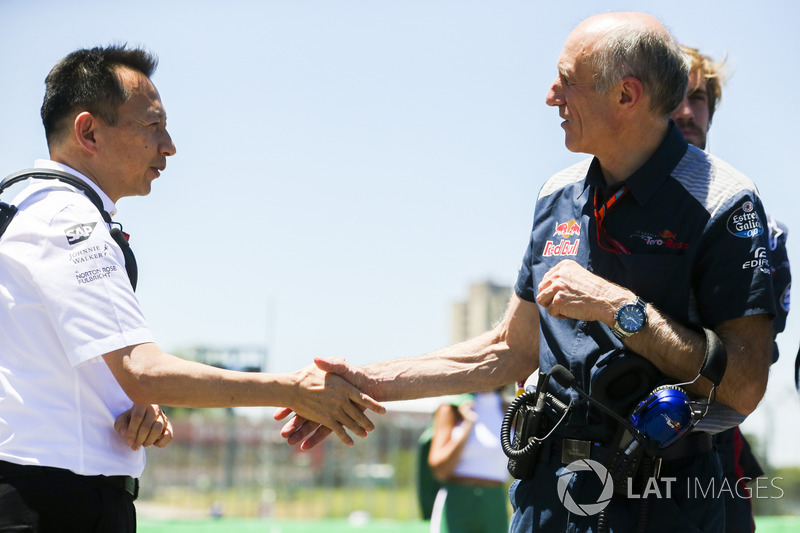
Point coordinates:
[[600, 213]]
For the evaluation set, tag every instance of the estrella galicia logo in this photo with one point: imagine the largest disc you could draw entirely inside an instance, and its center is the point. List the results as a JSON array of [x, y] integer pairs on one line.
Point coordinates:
[[584, 509], [79, 232], [744, 222]]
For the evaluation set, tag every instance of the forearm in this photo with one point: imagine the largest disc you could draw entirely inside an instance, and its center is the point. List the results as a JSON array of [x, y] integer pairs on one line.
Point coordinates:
[[480, 364], [150, 376], [679, 352], [507, 353]]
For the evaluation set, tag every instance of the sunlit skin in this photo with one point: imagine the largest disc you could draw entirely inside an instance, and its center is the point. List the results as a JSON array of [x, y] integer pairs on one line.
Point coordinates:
[[692, 116], [124, 158], [586, 112], [598, 123]]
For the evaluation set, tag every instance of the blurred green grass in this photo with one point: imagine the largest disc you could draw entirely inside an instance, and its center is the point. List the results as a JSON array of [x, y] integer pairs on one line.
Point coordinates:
[[767, 524], [249, 525]]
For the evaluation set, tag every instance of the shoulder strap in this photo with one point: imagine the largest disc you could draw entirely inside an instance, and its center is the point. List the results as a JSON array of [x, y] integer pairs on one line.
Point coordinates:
[[47, 173], [7, 211]]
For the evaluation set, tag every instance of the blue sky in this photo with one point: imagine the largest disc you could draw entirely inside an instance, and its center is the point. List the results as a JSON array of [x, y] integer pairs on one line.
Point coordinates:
[[346, 168]]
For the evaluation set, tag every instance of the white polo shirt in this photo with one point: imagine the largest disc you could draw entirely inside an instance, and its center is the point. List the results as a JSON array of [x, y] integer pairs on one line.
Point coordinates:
[[65, 300]]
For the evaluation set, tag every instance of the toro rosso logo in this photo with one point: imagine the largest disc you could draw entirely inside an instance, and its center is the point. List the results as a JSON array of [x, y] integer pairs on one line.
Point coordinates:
[[79, 232], [565, 230], [665, 239]]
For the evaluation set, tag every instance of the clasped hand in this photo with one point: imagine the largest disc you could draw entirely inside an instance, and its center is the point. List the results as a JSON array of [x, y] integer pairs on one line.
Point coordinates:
[[305, 430]]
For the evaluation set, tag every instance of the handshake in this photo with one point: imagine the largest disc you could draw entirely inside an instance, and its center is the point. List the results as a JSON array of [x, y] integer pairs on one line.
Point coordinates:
[[324, 396], [330, 399]]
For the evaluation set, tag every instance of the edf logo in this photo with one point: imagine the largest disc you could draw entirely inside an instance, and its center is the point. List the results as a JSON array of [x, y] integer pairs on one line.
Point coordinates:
[[79, 232]]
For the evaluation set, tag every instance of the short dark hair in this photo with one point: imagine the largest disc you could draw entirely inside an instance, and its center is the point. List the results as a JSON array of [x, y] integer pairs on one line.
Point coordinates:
[[653, 58], [86, 80]]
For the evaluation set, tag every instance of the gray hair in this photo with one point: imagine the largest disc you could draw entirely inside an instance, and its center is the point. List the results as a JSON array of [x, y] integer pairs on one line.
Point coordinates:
[[652, 57]]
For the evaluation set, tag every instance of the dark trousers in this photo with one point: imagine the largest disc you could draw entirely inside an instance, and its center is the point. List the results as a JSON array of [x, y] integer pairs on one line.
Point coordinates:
[[44, 500]]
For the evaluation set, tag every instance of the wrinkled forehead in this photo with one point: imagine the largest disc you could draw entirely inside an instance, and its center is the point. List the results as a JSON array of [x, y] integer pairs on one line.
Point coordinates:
[[575, 51]]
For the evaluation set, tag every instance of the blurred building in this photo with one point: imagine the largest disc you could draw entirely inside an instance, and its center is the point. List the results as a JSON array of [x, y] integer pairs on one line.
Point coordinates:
[[243, 358], [483, 308]]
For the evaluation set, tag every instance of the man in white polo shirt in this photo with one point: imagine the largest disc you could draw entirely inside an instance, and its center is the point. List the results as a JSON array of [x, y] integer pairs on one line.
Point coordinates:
[[76, 348]]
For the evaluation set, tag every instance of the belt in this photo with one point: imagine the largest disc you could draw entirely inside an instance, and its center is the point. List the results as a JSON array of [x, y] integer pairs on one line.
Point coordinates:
[[568, 450], [128, 484]]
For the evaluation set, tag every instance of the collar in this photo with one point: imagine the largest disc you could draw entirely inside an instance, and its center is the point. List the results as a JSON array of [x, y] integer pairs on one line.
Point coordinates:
[[644, 182], [108, 205]]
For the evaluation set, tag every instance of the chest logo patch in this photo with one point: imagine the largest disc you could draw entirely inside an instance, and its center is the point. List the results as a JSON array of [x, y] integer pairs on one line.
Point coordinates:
[[663, 239], [565, 230], [568, 229], [79, 232]]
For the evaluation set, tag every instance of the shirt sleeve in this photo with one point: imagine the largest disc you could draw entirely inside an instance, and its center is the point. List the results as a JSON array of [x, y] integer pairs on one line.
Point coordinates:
[[85, 290], [524, 286], [734, 279], [781, 274]]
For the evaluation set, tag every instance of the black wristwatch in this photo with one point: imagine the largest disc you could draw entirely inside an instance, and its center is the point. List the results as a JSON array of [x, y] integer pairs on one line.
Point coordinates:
[[631, 318]]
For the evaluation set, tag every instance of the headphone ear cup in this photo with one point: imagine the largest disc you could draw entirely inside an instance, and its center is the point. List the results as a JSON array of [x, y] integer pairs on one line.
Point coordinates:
[[623, 382], [664, 416]]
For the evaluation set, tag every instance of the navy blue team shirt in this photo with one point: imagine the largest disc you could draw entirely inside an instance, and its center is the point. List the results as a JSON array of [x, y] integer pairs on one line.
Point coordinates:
[[688, 235]]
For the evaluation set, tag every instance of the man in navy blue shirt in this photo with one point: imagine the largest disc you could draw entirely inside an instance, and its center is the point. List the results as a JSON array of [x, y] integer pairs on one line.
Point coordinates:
[[638, 228]]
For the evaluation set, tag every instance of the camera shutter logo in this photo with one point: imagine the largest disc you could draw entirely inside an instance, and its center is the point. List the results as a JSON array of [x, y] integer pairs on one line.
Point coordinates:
[[584, 509]]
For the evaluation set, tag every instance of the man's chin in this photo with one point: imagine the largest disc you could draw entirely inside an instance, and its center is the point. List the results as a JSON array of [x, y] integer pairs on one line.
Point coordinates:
[[696, 140]]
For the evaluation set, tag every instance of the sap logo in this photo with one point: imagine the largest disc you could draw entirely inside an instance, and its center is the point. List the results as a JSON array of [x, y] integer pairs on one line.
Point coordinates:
[[79, 232]]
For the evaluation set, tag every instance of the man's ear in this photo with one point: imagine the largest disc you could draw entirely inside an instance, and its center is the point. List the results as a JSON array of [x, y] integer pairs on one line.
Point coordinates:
[[630, 92], [83, 129]]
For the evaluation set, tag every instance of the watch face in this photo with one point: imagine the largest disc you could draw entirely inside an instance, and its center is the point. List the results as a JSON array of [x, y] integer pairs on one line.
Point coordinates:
[[631, 318]]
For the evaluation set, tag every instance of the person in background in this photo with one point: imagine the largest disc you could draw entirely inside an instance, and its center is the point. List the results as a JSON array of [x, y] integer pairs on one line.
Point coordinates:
[[694, 117], [466, 457]]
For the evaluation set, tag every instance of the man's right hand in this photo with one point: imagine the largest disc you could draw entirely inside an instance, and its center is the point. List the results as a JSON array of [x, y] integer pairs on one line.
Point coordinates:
[[309, 433], [327, 403]]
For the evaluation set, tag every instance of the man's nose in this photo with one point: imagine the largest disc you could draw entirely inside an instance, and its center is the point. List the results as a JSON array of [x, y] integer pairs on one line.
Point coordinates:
[[555, 94], [167, 146], [684, 111]]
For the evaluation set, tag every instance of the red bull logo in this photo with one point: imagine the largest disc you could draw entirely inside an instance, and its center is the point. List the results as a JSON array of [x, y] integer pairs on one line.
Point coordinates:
[[562, 248], [667, 234], [568, 229]]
